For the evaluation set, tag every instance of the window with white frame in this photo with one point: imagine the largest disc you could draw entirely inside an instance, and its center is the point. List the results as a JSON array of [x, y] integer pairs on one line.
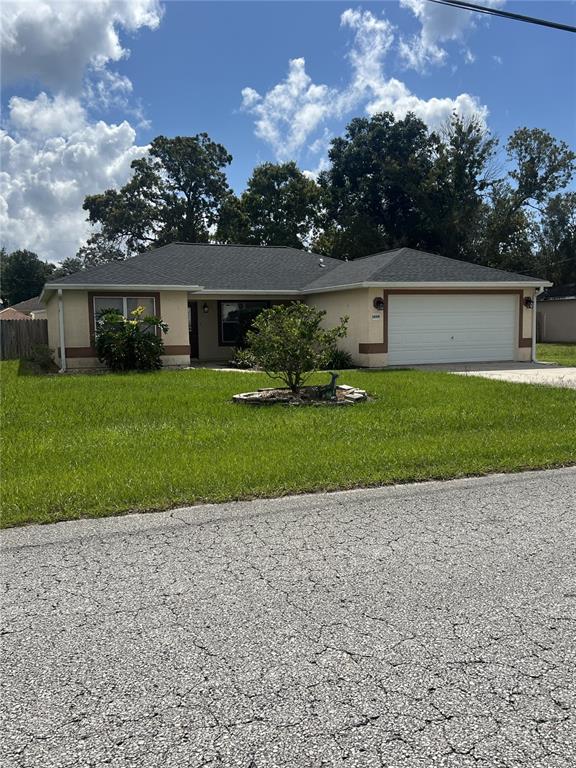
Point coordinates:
[[124, 305]]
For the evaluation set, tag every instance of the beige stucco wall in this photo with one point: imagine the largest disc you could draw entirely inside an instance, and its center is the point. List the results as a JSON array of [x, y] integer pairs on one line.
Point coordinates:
[[174, 311], [557, 321], [365, 324], [173, 308]]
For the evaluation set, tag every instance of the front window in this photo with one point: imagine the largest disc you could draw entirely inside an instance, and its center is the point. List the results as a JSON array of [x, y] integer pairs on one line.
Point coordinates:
[[236, 318], [124, 304]]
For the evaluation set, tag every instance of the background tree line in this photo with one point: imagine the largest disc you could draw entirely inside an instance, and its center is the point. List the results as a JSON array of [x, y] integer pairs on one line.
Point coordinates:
[[390, 183]]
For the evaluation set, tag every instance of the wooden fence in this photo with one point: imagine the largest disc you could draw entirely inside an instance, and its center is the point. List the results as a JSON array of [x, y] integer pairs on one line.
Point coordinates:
[[18, 337]]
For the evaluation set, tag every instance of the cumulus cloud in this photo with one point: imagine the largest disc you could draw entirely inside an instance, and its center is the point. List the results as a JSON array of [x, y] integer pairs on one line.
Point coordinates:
[[51, 158], [291, 112], [52, 152], [54, 42], [439, 24], [394, 96]]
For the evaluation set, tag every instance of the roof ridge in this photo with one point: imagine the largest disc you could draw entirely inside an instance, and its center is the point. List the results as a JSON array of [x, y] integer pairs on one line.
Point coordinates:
[[371, 255], [235, 245]]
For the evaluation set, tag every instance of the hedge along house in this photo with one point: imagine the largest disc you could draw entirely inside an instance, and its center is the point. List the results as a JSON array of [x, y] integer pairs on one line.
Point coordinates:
[[404, 306]]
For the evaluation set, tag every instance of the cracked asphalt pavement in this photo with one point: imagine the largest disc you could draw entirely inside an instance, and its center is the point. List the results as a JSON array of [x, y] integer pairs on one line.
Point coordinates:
[[411, 627]]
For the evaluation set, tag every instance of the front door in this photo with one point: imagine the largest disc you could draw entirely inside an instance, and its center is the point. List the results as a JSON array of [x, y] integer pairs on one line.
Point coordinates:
[[193, 329]]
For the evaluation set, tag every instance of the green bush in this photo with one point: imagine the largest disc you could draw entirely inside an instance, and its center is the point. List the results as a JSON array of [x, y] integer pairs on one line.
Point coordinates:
[[243, 358], [289, 343], [42, 357], [129, 343], [340, 360]]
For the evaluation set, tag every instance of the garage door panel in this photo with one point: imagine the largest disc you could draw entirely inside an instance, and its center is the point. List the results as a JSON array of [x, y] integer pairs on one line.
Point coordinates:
[[443, 328]]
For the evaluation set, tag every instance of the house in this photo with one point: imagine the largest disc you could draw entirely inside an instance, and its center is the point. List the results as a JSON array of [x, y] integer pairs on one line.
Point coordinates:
[[11, 313], [557, 314], [33, 307], [404, 306]]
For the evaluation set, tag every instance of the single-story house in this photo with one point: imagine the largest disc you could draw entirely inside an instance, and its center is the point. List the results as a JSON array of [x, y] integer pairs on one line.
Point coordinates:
[[33, 307], [11, 313], [557, 314], [404, 306]]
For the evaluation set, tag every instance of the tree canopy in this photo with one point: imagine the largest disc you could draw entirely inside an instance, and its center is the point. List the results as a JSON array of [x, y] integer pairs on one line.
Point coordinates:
[[389, 183], [22, 275], [281, 206], [175, 193]]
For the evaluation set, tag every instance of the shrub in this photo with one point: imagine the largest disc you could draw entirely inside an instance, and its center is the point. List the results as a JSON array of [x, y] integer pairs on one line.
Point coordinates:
[[288, 342], [243, 358], [42, 357], [340, 359], [129, 343]]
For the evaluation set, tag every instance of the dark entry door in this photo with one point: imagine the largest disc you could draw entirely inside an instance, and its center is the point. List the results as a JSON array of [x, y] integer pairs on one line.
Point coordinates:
[[193, 329]]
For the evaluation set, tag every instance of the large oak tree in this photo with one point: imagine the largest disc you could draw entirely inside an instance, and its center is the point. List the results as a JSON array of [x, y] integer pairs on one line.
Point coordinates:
[[175, 193]]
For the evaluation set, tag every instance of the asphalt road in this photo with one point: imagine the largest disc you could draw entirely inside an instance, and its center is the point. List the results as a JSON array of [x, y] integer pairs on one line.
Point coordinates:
[[414, 626]]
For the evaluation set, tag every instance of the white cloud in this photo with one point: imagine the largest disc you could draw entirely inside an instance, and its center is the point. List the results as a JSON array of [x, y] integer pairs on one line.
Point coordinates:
[[372, 41], [393, 96], [54, 42], [52, 153], [439, 24], [291, 112], [51, 158], [43, 116]]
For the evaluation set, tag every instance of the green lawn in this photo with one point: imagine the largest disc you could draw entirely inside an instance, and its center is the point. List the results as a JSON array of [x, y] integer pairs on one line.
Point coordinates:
[[563, 354], [86, 446]]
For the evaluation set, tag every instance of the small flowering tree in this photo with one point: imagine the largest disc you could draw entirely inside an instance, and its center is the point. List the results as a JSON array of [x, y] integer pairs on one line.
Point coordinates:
[[129, 343], [289, 343]]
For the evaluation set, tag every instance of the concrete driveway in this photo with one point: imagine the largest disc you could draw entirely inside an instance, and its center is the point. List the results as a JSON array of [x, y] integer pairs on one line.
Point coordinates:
[[409, 627], [547, 374]]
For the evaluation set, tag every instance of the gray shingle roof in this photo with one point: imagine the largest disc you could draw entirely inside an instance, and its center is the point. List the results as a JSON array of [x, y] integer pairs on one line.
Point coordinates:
[[214, 267], [269, 268], [559, 292], [29, 305], [405, 265]]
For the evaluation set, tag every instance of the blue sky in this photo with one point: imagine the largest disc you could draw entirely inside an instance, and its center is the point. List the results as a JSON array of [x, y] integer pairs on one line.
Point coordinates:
[[98, 84], [524, 74]]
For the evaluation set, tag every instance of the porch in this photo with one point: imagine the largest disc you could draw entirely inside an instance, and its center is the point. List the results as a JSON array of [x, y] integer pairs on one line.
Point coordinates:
[[217, 325]]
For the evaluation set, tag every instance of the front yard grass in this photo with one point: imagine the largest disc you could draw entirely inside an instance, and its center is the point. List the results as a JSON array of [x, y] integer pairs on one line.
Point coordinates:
[[563, 354], [88, 446]]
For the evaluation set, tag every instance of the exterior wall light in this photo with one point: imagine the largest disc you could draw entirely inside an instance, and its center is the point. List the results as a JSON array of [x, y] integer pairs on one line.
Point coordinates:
[[205, 308], [528, 302], [378, 303]]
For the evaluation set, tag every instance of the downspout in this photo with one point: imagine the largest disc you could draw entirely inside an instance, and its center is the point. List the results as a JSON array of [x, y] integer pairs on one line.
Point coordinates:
[[537, 292], [61, 328]]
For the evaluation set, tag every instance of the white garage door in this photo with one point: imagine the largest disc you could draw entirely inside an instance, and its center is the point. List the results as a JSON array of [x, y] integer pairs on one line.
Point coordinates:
[[426, 328]]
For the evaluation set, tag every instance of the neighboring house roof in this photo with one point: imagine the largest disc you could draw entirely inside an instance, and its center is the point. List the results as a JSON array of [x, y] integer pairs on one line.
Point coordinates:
[[269, 269], [12, 314], [559, 293], [30, 305]]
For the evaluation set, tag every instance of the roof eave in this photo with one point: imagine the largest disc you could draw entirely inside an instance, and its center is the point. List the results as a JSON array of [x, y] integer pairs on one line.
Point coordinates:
[[117, 287], [248, 291], [419, 285]]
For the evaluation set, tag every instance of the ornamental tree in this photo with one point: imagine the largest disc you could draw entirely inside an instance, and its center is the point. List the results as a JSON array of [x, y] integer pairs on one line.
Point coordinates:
[[289, 342]]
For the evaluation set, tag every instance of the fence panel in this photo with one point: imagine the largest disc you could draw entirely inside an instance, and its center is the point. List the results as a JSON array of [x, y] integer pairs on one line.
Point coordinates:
[[18, 337]]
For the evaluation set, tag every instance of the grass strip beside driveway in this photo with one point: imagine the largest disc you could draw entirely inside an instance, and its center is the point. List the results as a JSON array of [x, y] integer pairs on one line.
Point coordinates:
[[94, 445], [563, 354]]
